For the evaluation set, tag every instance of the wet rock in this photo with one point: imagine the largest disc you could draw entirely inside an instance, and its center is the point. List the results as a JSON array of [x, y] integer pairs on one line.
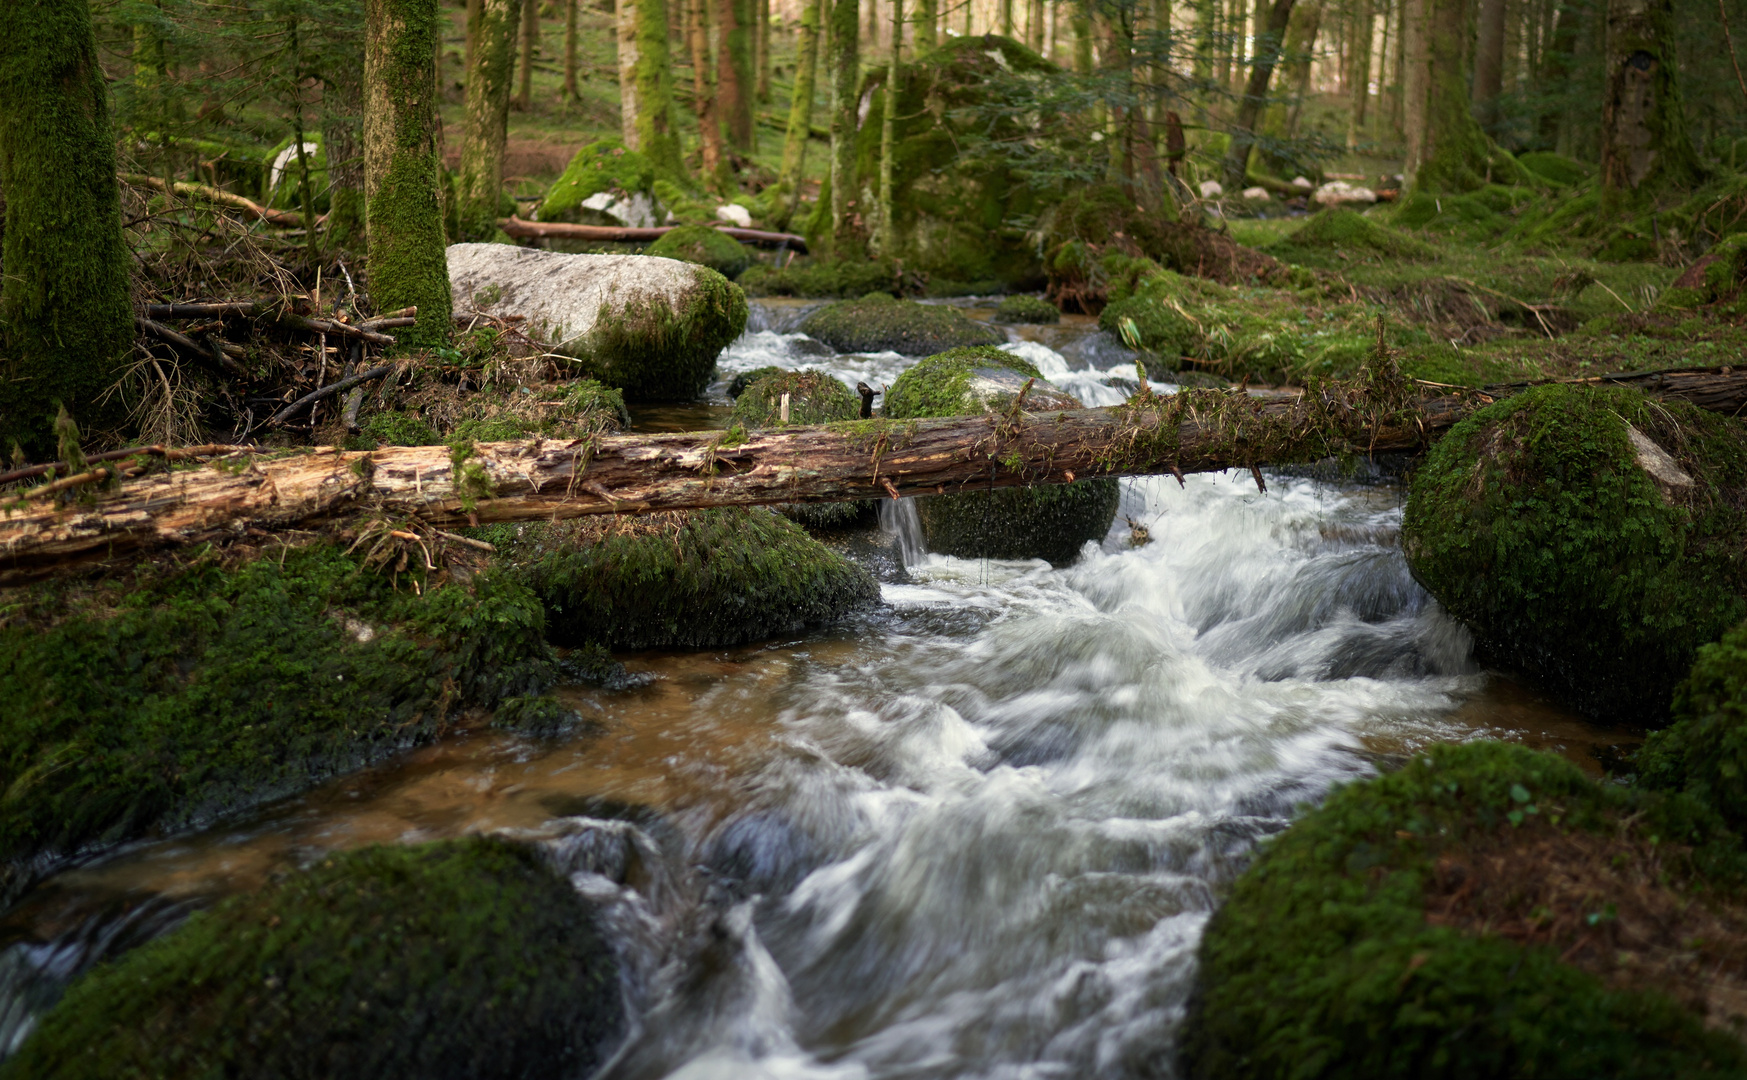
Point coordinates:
[[1591, 538], [705, 246], [650, 327], [1026, 309], [468, 958], [1704, 750], [879, 323], [604, 184], [813, 398], [1051, 523], [1341, 193], [1485, 904], [682, 580]]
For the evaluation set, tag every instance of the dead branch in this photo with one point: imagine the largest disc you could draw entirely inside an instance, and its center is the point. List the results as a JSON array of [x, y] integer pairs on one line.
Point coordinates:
[[327, 391], [536, 230], [283, 218]]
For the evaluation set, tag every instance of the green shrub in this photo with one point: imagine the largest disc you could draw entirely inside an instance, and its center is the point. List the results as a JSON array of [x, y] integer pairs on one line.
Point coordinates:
[[879, 323], [1704, 750], [1533, 523], [469, 958], [706, 246]]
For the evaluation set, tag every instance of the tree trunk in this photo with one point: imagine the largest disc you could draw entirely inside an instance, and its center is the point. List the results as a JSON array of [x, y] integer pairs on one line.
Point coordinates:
[[403, 169], [1034, 26], [65, 319], [471, 24], [927, 31], [845, 74], [711, 151], [343, 139], [1007, 18], [888, 243], [1301, 66], [530, 48], [1082, 27], [1458, 154], [1489, 61], [486, 122], [800, 114], [1415, 84], [1206, 25], [1644, 148], [734, 35], [572, 93], [646, 121], [1359, 73], [1277, 120], [1249, 110], [762, 55]]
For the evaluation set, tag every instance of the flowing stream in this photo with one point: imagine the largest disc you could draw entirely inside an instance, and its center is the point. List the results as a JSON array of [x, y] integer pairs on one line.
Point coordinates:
[[974, 832]]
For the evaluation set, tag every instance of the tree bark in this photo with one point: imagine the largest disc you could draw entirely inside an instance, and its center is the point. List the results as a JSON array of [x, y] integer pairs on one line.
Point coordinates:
[[646, 121], [538, 479], [1279, 117], [1489, 61], [927, 32], [1644, 147], [800, 114], [1415, 84], [1458, 154], [66, 323], [734, 34], [1249, 110], [403, 169], [530, 49], [845, 74], [1359, 73], [888, 244], [343, 139], [571, 92], [486, 120], [710, 150], [761, 54]]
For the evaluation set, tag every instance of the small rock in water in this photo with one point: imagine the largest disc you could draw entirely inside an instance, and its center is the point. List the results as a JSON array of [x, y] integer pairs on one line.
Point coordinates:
[[1212, 189], [1302, 182], [1259, 193], [735, 214], [1341, 193]]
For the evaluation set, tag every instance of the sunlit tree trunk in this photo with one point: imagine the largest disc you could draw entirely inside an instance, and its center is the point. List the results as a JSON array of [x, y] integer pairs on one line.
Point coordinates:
[[734, 75], [1278, 118], [1249, 110], [1206, 15], [403, 169], [1644, 145], [486, 119], [470, 24], [571, 92], [646, 120], [926, 33], [530, 48], [845, 66], [712, 153], [888, 243], [1489, 60], [1006, 18], [1359, 73], [65, 321], [800, 113]]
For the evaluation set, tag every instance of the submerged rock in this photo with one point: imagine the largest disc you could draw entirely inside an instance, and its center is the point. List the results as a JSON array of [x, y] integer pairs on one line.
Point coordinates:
[[1051, 522], [814, 398], [1485, 911], [879, 323], [651, 327], [705, 246], [1590, 537], [464, 959]]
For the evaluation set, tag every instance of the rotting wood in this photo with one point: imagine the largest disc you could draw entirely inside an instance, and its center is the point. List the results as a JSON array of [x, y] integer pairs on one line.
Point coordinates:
[[542, 479], [559, 230]]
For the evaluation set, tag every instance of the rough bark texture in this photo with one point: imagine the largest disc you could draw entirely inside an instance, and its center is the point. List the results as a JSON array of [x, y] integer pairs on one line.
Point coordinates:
[[646, 85], [487, 116], [1644, 146], [1489, 60], [1359, 73], [65, 322], [1459, 155], [403, 167], [343, 136], [734, 28], [697, 33], [530, 46], [845, 69], [800, 113], [1195, 431], [1415, 83], [1249, 110]]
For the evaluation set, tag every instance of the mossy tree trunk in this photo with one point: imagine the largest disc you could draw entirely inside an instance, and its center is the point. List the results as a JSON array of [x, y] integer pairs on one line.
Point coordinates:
[[1277, 120], [1249, 110], [761, 58], [1359, 73], [734, 34], [343, 139], [1556, 61], [710, 149], [1644, 147], [1415, 83], [1206, 12], [1081, 23], [646, 85], [1489, 60], [486, 121], [1458, 154], [845, 68], [888, 238], [800, 114], [572, 93], [530, 48], [65, 320], [1006, 18], [403, 167], [927, 32]]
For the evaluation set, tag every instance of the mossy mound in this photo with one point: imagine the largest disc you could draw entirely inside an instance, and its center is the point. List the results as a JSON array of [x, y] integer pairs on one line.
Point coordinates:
[[1345, 229], [879, 323], [705, 246], [1011, 523], [814, 398], [1449, 213], [1704, 751], [600, 167], [685, 580], [738, 384], [1026, 309], [463, 959], [1716, 278], [1556, 168], [205, 688], [1537, 523], [571, 410], [1485, 911], [823, 279]]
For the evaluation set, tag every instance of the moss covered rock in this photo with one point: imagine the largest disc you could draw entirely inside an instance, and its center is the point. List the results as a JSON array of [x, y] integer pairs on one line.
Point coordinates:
[[683, 580], [1485, 911], [1026, 309], [814, 398], [650, 327], [1051, 522], [134, 705], [604, 184], [1590, 537], [827, 278], [705, 246], [463, 959], [879, 323], [1704, 750]]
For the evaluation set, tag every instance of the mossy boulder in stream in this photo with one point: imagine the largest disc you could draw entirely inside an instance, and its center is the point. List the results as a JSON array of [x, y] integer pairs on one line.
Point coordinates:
[[1051, 522], [1485, 911], [814, 398], [194, 690], [879, 323], [689, 579], [1592, 538], [705, 246], [1704, 750], [1026, 309], [464, 959]]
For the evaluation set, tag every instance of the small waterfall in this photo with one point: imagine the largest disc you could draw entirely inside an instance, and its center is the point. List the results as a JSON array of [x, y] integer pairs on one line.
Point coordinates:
[[898, 518]]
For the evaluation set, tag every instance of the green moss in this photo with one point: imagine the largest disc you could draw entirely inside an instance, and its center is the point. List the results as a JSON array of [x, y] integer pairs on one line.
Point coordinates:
[[154, 703], [587, 403], [1026, 309], [651, 350], [845, 278], [1349, 230], [1532, 523], [706, 246], [657, 128], [687, 580], [942, 385], [1704, 751], [879, 323], [395, 428], [1324, 963], [66, 320], [740, 382], [1556, 168], [600, 166], [1426, 210], [814, 398], [456, 959]]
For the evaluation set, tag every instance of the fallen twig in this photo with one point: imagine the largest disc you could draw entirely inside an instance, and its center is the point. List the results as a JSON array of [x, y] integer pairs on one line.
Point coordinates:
[[332, 388]]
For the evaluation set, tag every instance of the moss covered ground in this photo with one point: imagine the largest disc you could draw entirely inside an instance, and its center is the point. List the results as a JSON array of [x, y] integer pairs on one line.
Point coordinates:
[[880, 323], [468, 958], [1487, 910]]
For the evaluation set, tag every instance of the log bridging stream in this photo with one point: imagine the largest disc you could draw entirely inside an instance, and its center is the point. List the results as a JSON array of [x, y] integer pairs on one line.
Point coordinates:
[[540, 479]]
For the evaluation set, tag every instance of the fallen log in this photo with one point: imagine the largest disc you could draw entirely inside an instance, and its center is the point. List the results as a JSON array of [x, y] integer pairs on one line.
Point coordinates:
[[625, 234], [542, 479], [282, 218]]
